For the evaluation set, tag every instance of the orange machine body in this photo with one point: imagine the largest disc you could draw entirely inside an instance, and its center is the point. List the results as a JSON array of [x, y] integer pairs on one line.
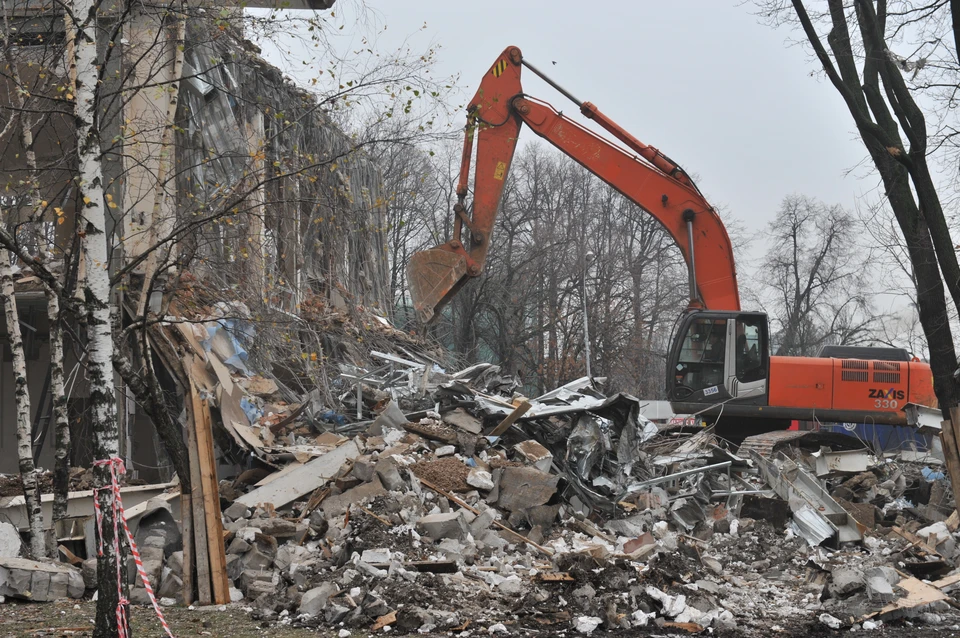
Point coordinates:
[[847, 389]]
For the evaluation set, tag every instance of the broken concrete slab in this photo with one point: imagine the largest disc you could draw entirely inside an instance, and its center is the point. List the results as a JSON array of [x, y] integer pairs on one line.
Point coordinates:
[[480, 479], [304, 479], [10, 542], [364, 469], [462, 419], [449, 525], [846, 581], [389, 473], [237, 511], [521, 488], [879, 590], [535, 454], [337, 505], [30, 579], [315, 600], [276, 527]]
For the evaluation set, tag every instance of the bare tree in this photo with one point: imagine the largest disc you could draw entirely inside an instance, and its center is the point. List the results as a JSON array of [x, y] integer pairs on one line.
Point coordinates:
[[815, 272]]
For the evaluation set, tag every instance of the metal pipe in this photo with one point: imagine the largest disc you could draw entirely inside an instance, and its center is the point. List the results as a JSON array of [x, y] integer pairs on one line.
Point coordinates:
[[688, 217], [663, 479], [543, 76], [736, 493], [586, 323]]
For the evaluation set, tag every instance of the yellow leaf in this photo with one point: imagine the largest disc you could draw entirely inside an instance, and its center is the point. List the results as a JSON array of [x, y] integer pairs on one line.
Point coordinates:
[[112, 204], [86, 200], [43, 203], [60, 220]]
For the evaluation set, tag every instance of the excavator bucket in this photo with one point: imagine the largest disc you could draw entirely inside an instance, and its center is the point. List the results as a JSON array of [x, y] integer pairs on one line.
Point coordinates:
[[435, 275]]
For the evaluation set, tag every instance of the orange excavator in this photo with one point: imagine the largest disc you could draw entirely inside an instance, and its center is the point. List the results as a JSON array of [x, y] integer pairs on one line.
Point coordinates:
[[719, 362]]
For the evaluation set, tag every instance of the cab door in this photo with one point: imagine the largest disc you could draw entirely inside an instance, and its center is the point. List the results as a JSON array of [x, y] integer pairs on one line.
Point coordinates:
[[747, 360]]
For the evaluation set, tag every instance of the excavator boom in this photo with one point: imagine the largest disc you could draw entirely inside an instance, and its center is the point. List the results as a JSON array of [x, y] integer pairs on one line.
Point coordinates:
[[640, 172]]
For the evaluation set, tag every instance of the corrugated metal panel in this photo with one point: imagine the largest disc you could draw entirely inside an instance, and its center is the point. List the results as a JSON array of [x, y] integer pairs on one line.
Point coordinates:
[[811, 525]]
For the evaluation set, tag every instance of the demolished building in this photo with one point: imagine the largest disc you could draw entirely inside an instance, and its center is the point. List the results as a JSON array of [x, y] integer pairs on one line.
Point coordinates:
[[327, 480]]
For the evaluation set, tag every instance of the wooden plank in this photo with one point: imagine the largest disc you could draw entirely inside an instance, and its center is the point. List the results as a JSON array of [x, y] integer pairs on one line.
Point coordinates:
[[518, 412], [190, 337], [954, 521], [222, 373], [186, 525], [198, 370], [218, 539], [211, 498], [946, 581], [919, 594], [951, 454], [202, 560], [303, 480]]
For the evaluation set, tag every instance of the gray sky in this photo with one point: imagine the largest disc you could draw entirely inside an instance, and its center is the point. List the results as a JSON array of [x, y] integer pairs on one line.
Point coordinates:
[[725, 96], [728, 98]]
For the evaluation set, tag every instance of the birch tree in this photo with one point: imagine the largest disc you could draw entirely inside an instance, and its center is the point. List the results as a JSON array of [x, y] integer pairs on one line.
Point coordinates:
[[28, 473], [24, 124], [95, 287]]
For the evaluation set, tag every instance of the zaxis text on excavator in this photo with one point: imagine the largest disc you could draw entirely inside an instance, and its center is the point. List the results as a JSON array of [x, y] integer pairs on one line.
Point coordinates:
[[719, 362]]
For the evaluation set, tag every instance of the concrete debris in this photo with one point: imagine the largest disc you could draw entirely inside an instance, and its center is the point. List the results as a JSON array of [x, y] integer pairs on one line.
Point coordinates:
[[437, 505], [39, 580], [590, 521], [480, 479]]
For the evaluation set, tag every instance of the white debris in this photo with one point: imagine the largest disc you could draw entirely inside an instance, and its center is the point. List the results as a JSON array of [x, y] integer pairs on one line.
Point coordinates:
[[480, 479], [672, 605], [830, 621], [587, 624]]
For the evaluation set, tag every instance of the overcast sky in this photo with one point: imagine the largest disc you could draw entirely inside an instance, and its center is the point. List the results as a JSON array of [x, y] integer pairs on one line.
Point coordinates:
[[727, 97]]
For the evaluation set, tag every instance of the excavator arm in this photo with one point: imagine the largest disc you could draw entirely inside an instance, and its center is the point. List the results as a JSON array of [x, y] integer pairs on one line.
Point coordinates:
[[645, 176]]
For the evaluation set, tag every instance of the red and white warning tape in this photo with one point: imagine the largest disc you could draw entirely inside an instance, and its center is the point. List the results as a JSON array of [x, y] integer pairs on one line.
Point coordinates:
[[117, 469]]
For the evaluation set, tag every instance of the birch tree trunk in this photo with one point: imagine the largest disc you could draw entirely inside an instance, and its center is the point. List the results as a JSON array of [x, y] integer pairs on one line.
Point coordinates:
[[95, 288], [28, 473], [61, 467]]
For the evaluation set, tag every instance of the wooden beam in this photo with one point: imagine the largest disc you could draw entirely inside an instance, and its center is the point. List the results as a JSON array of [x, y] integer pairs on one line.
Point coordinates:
[[211, 498], [200, 554], [518, 412], [186, 524], [951, 454]]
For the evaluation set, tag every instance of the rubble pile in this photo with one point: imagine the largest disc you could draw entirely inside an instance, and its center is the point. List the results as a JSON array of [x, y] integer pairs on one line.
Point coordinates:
[[411, 499], [462, 505]]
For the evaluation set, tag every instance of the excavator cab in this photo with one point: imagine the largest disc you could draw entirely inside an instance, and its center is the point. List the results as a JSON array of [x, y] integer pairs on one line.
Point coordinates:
[[718, 357]]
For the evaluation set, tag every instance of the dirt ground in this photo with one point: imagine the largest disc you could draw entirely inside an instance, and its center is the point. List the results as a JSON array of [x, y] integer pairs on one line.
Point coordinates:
[[49, 620]]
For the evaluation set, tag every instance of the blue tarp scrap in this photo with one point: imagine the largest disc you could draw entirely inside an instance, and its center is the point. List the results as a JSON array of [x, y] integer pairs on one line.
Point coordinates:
[[251, 409], [232, 328], [332, 417]]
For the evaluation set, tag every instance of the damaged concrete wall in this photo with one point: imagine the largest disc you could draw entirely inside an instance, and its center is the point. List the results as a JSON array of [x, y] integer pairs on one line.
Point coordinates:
[[310, 221]]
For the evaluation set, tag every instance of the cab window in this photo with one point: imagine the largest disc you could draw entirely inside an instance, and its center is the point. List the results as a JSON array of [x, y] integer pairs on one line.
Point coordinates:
[[701, 356], [750, 350]]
